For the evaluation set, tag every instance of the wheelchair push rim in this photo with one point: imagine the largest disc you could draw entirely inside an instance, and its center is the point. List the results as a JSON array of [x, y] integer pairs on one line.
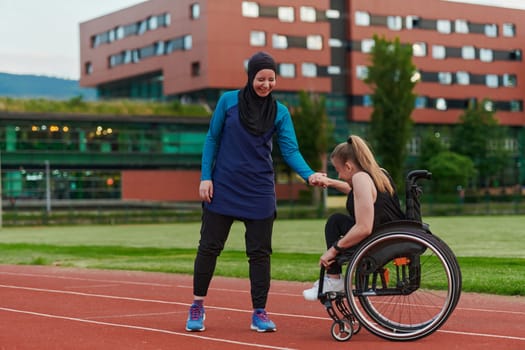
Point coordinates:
[[391, 303]]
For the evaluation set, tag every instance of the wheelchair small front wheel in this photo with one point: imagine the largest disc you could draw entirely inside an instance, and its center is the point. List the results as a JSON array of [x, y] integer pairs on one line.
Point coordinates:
[[342, 330]]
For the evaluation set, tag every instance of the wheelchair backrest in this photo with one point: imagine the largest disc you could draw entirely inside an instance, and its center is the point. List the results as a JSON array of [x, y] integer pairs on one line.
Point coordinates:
[[413, 192]]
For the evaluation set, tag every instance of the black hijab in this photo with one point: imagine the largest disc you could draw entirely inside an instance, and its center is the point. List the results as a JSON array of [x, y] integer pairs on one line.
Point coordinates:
[[257, 113]]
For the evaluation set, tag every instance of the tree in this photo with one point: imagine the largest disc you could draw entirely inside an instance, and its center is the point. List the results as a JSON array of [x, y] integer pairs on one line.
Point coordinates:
[[450, 170], [479, 137], [313, 130], [391, 77], [431, 145]]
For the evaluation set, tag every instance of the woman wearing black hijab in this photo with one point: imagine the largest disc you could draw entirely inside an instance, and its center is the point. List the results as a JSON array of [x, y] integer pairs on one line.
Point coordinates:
[[237, 183]]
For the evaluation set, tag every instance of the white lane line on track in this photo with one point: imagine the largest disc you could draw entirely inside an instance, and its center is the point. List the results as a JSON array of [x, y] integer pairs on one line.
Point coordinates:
[[220, 308], [85, 279], [129, 282], [508, 337], [211, 288], [247, 291], [107, 285], [156, 330], [105, 296], [138, 315], [491, 311]]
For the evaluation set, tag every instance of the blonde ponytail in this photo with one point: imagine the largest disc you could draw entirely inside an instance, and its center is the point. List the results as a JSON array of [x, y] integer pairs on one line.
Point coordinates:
[[355, 149]]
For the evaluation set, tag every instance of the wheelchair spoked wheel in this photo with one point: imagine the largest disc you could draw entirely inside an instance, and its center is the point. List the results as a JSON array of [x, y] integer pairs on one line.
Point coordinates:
[[404, 283]]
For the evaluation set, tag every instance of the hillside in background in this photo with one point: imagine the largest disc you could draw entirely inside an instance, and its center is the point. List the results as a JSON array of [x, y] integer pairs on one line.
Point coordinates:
[[36, 86]]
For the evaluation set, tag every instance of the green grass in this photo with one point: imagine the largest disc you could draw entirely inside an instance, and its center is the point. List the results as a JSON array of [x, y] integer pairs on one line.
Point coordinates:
[[491, 250]]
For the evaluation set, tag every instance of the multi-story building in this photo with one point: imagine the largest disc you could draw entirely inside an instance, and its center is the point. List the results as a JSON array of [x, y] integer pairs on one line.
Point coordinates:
[[193, 50]]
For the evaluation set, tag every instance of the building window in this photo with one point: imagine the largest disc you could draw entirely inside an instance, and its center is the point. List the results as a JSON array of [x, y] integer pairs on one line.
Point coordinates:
[[279, 41], [491, 80], [333, 70], [362, 18], [461, 26], [443, 26], [257, 38], [509, 30], [309, 70], [152, 23], [441, 104], [491, 30], [367, 101], [166, 19], [412, 22], [332, 14], [486, 55], [488, 105], [516, 106], [307, 14], [463, 78], [135, 56], [195, 69], [419, 49], [515, 55], [335, 42], [95, 41], [287, 70], [143, 27], [159, 48], [509, 80], [468, 52], [314, 42], [195, 11], [367, 45], [147, 51], [88, 68], [285, 14], [131, 29], [188, 42], [421, 102], [174, 45], [119, 33], [438, 52], [112, 62], [445, 78], [361, 72], [111, 35], [127, 56], [250, 9], [394, 22]]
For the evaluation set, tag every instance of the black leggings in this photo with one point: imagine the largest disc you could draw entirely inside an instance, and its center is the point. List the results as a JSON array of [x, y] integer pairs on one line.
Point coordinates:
[[336, 227], [258, 239]]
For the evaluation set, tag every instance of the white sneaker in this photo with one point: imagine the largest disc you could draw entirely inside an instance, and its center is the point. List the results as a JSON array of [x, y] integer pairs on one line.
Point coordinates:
[[329, 285]]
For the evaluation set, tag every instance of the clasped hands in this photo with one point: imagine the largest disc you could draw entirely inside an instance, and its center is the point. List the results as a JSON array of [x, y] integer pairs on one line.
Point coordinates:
[[318, 179]]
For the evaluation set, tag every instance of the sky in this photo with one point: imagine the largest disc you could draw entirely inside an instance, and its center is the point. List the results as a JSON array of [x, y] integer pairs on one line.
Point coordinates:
[[42, 37]]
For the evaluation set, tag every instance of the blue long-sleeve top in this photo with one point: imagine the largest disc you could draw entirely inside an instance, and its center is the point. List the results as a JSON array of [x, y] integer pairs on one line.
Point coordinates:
[[240, 163]]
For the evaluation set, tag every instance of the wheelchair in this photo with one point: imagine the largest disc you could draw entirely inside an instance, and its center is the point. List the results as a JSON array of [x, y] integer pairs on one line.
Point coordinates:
[[401, 283]]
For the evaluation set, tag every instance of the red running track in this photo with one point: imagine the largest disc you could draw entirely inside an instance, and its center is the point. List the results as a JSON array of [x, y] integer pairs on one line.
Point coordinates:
[[61, 308]]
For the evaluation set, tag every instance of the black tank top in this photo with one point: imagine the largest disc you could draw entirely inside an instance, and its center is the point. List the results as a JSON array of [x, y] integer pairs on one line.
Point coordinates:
[[386, 207]]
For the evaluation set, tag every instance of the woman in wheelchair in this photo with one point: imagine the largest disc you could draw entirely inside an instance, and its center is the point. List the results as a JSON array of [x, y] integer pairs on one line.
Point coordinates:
[[372, 200]]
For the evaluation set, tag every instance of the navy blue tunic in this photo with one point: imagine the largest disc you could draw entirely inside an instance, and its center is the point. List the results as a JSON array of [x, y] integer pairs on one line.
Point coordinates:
[[240, 163]]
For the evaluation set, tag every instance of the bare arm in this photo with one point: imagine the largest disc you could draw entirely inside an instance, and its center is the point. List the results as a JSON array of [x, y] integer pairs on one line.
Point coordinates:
[[364, 197], [325, 181]]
